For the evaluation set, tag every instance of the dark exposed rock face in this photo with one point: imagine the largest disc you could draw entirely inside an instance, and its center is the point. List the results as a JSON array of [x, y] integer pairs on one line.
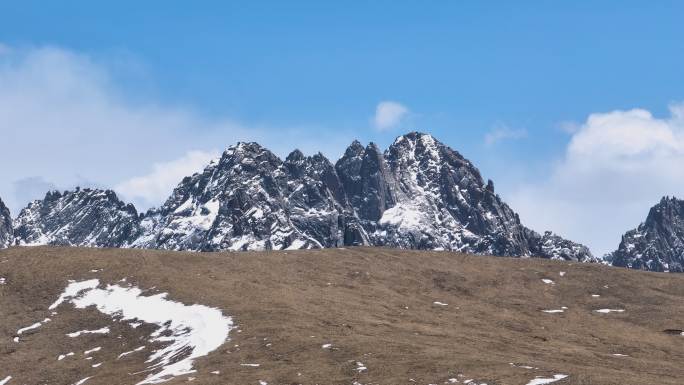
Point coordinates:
[[418, 194], [553, 246], [6, 231], [87, 217], [658, 243]]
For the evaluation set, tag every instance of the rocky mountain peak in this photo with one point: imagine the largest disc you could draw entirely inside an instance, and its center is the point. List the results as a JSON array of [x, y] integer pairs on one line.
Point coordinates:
[[6, 230], [657, 244], [295, 157], [668, 211], [82, 217], [355, 149]]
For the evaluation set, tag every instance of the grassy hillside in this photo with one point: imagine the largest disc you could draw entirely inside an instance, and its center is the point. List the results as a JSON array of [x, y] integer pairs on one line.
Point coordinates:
[[406, 317]]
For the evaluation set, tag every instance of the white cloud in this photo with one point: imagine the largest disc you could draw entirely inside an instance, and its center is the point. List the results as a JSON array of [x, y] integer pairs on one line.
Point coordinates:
[[616, 166], [389, 114], [63, 118], [501, 132], [150, 189]]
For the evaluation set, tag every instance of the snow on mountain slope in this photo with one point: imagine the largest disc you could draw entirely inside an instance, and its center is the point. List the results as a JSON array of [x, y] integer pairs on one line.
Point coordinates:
[[657, 244], [83, 217], [6, 230]]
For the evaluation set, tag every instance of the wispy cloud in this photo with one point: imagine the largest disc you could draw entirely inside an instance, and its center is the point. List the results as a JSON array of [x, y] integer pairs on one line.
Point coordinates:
[[389, 114], [503, 132], [148, 190]]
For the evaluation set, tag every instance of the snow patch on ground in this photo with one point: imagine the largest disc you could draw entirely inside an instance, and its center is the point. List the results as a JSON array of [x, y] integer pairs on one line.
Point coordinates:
[[81, 382], [124, 354], [604, 311], [103, 330], [191, 331], [6, 380], [548, 281], [34, 326], [543, 381], [63, 356]]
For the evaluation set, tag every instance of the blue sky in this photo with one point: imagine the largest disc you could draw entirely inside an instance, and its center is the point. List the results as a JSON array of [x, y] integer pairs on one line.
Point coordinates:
[[509, 84]]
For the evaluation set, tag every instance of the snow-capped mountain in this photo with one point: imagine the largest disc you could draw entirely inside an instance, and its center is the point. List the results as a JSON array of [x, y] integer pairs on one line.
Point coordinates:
[[84, 217], [421, 194], [658, 243], [418, 194], [251, 200], [6, 230]]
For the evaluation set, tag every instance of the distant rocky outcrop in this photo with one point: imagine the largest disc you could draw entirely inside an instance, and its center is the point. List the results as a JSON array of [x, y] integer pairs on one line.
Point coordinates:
[[658, 243], [6, 230], [418, 194], [83, 217]]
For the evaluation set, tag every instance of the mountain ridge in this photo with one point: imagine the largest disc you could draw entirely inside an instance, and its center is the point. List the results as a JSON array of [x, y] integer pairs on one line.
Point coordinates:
[[417, 194]]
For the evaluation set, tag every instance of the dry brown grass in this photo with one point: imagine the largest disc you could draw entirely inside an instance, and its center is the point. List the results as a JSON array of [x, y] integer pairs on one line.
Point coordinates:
[[373, 305]]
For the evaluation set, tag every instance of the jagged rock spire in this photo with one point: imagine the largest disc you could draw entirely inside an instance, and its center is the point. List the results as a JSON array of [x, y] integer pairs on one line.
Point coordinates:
[[657, 244]]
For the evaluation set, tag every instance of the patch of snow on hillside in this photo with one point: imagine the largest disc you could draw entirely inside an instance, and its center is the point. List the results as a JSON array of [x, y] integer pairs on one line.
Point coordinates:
[[73, 289], [6, 380], [605, 311], [34, 326], [124, 354], [83, 381], [544, 381], [93, 350], [63, 356], [191, 331], [103, 330]]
